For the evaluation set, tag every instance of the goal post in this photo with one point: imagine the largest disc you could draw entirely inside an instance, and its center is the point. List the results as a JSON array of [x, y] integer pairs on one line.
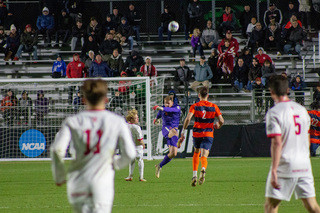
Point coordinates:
[[30, 119]]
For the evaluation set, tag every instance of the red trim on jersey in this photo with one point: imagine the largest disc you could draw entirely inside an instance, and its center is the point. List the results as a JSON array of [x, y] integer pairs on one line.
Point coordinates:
[[140, 139], [285, 101], [273, 135]]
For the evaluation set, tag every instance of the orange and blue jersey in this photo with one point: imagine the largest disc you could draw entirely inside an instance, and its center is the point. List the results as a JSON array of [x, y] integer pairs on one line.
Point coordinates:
[[315, 126], [204, 113]]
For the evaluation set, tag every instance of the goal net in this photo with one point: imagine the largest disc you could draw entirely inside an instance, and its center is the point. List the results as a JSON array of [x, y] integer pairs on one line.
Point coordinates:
[[32, 111]]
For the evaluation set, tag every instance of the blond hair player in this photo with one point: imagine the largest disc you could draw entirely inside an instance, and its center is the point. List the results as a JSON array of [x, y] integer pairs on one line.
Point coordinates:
[[93, 136], [287, 124], [133, 120]]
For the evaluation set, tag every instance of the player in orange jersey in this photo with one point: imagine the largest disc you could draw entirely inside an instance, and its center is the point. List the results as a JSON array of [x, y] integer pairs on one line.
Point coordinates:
[[315, 127], [204, 113]]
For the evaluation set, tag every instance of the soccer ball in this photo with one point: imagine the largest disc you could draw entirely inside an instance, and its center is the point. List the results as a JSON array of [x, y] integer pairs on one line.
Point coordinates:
[[173, 26]]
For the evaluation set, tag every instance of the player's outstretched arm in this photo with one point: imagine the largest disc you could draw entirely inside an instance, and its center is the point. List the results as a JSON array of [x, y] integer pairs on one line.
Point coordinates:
[[219, 123], [57, 151], [127, 148]]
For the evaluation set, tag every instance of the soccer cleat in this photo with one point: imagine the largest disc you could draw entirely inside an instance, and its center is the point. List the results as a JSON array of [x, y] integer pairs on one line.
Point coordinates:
[[158, 168], [142, 180], [202, 176], [128, 178], [194, 181]]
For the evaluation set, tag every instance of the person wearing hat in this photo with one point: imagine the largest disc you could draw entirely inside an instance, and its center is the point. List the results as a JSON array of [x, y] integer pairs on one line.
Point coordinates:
[[13, 42], [59, 68], [297, 86], [41, 106], [202, 74], [78, 34], [229, 20], [134, 20], [274, 12], [28, 43], [115, 62], [64, 25], [95, 30], [3, 40], [148, 69], [126, 31], [116, 16], [25, 107], [182, 76], [8, 107], [166, 17], [133, 61], [45, 25], [3, 12]]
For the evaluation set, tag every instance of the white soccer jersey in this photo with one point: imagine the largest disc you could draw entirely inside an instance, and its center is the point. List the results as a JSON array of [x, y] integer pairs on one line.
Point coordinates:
[[292, 122], [93, 137], [136, 133]]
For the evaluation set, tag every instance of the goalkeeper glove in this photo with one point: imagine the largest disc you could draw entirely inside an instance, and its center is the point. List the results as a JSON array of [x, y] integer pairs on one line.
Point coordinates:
[[156, 121], [156, 107]]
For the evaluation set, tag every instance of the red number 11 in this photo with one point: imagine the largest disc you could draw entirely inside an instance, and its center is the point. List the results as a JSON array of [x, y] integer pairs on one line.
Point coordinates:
[[97, 150]]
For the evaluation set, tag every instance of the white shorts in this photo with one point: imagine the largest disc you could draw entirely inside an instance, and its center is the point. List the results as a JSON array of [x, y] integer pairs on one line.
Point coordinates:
[[303, 187], [139, 150]]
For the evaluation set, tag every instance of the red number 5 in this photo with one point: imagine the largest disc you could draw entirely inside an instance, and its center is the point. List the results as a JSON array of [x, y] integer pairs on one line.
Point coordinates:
[[97, 150], [298, 131]]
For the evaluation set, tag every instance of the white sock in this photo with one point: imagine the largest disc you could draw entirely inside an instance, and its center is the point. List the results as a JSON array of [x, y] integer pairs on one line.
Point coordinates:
[[195, 173], [131, 168], [203, 168], [141, 168]]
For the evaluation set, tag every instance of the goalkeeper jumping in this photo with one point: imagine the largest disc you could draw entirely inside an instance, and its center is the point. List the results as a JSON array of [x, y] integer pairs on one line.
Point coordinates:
[[170, 114]]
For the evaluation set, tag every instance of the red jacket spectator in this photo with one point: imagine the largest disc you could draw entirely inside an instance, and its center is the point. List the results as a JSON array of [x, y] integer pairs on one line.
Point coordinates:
[[148, 69], [234, 45], [8, 101], [289, 24], [76, 68], [262, 57]]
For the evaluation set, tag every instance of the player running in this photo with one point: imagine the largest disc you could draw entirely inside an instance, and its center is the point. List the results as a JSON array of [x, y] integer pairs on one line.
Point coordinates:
[[315, 127], [204, 113], [287, 124], [170, 115], [133, 120], [93, 136]]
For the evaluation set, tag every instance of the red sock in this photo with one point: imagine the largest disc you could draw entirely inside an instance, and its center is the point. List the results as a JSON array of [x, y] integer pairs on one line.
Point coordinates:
[[195, 161], [204, 162]]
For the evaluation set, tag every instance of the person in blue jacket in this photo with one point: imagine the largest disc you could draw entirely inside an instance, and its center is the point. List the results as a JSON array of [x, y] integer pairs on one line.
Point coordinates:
[[99, 68], [170, 114], [45, 25], [173, 94], [59, 68]]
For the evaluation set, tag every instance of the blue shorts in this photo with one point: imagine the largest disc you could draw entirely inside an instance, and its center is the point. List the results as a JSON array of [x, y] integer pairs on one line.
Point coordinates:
[[170, 141], [203, 143]]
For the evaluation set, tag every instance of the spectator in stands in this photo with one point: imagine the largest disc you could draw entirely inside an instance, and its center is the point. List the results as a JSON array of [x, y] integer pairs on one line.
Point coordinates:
[[291, 10], [78, 34], [13, 42], [45, 25], [258, 91], [195, 10], [3, 12], [257, 37], [228, 20], [166, 18], [261, 56], [234, 45], [89, 44], [148, 69], [133, 61], [99, 68], [173, 94], [8, 107], [272, 11], [59, 68], [202, 74], [182, 75], [28, 43], [115, 62], [209, 37], [240, 75], [212, 62], [254, 73], [273, 38], [289, 25], [64, 27], [295, 38], [116, 16], [251, 26], [41, 107], [126, 31], [134, 20], [297, 86], [185, 17], [108, 45], [3, 40], [95, 30], [247, 57], [75, 9], [124, 87], [196, 43], [116, 103], [10, 20], [77, 102], [304, 9], [245, 19], [316, 94], [109, 25], [284, 74], [187, 101], [267, 70], [89, 60], [25, 107], [273, 21]]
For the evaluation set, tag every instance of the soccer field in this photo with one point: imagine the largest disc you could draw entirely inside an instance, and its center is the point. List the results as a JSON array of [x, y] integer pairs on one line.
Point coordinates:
[[232, 185]]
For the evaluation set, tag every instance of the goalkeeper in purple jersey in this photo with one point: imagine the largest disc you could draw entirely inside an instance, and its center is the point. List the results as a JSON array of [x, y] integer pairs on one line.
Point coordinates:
[[170, 115]]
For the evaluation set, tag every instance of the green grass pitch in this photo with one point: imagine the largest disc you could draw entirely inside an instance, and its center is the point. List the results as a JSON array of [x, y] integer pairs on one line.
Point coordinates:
[[232, 185]]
